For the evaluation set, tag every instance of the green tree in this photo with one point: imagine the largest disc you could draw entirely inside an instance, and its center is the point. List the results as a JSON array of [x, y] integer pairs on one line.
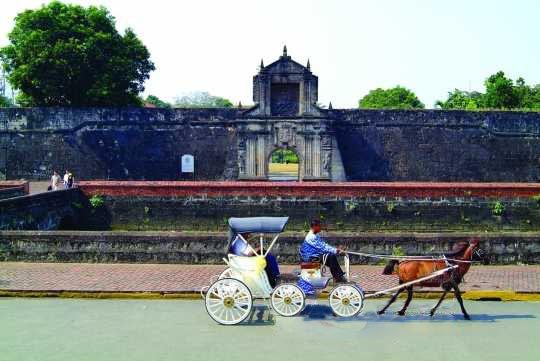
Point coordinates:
[[152, 99], [532, 100], [68, 55], [202, 100], [500, 92], [393, 98], [459, 99], [528, 97], [284, 156], [5, 102]]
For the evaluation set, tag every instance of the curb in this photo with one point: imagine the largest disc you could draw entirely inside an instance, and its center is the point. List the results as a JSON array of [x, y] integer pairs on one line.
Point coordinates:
[[102, 295], [480, 295]]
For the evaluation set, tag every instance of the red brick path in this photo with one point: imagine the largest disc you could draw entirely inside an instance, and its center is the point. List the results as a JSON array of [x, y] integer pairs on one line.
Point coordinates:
[[15, 184], [18, 276]]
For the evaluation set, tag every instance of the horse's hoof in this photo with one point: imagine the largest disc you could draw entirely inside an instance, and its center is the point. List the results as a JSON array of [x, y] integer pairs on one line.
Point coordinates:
[[467, 317], [380, 312], [431, 313], [401, 313]]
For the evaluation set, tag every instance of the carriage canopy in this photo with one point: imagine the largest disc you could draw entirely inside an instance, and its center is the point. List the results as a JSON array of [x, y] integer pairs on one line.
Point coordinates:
[[258, 224]]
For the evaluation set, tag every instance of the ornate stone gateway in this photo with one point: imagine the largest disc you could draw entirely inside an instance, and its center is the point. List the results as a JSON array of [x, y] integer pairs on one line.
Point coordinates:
[[285, 115]]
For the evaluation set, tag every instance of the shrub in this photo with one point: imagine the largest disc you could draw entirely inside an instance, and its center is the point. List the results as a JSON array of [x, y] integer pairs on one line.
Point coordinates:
[[96, 201], [398, 251], [350, 206], [498, 209]]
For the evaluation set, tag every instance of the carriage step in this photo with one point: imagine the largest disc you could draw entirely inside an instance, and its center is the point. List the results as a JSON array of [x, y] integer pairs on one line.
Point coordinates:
[[287, 277]]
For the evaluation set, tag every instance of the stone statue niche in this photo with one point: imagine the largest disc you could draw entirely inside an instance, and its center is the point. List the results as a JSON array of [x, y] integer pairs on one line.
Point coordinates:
[[284, 99]]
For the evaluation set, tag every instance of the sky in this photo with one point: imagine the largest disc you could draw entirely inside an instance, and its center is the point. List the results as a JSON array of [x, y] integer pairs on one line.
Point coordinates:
[[428, 46]]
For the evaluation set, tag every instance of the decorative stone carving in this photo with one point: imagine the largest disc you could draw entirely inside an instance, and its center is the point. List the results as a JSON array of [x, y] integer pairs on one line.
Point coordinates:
[[327, 162], [242, 161], [242, 155], [285, 135], [326, 142]]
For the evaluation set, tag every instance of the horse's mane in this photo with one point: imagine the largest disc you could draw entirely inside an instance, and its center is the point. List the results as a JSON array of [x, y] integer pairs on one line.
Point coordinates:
[[457, 250]]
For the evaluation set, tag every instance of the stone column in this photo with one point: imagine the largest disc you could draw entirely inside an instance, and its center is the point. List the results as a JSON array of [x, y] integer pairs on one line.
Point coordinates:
[[307, 96], [268, 98], [261, 156], [251, 157], [308, 168], [302, 97], [316, 156]]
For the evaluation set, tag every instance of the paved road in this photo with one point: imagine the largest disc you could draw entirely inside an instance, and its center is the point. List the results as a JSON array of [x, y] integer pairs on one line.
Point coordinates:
[[63, 329], [39, 187]]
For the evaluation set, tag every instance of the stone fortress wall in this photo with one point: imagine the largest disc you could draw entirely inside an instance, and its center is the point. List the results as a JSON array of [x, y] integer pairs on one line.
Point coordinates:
[[236, 144], [380, 150], [365, 145]]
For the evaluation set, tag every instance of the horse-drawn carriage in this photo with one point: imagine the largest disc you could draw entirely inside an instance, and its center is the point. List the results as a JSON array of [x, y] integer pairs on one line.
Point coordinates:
[[229, 299]]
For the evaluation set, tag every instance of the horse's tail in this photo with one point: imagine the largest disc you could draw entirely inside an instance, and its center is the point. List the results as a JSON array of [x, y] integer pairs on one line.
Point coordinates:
[[389, 268]]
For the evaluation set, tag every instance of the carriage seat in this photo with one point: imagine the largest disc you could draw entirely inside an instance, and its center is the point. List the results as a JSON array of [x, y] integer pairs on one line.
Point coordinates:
[[312, 274], [310, 265]]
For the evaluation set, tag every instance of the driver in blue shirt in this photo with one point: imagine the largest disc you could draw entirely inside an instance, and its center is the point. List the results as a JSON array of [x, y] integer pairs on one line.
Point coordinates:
[[314, 248]]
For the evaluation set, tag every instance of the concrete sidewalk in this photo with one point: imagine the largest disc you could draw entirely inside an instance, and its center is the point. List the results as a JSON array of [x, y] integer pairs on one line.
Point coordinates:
[[18, 278]]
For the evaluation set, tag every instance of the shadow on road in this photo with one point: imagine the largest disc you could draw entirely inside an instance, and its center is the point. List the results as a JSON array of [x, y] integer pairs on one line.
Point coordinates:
[[322, 312], [260, 316]]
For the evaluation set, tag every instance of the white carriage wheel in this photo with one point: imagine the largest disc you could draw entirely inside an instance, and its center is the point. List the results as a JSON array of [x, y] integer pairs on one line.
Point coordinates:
[[228, 301], [288, 299], [346, 300], [227, 273]]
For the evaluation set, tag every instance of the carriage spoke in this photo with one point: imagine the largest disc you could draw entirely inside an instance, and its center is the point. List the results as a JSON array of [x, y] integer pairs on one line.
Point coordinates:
[[278, 301], [215, 304], [287, 299], [228, 301], [345, 301]]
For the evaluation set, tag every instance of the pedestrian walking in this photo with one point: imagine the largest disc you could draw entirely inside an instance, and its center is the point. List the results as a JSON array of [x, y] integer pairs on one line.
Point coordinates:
[[55, 181], [65, 179], [71, 179]]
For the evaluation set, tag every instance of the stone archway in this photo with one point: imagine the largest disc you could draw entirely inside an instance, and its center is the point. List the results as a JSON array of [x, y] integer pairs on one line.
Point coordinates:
[[283, 165], [311, 140]]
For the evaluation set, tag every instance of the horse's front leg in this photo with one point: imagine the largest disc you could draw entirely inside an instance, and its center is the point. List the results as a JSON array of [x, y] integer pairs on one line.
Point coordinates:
[[432, 312], [407, 301], [392, 300], [457, 293]]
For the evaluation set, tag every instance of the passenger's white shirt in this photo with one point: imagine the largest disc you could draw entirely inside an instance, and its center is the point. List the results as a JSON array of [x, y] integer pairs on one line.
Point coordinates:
[[55, 180]]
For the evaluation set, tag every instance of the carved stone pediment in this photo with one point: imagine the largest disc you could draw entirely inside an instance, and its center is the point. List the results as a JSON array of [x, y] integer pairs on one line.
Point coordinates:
[[286, 135], [285, 88]]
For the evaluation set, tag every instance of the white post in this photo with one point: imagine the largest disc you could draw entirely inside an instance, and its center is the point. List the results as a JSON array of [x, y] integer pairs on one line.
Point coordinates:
[[271, 245]]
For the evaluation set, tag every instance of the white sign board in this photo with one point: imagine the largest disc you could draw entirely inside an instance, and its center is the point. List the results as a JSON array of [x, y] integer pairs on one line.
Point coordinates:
[[188, 163]]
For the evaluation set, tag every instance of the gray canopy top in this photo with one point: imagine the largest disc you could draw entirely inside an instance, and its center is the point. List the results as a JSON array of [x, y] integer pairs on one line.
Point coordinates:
[[258, 224]]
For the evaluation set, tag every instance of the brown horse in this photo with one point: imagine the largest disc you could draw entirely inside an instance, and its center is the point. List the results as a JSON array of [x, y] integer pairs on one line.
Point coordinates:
[[410, 270]]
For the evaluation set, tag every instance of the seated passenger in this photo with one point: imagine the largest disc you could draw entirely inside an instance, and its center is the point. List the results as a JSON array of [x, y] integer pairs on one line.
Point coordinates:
[[314, 248], [240, 247]]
